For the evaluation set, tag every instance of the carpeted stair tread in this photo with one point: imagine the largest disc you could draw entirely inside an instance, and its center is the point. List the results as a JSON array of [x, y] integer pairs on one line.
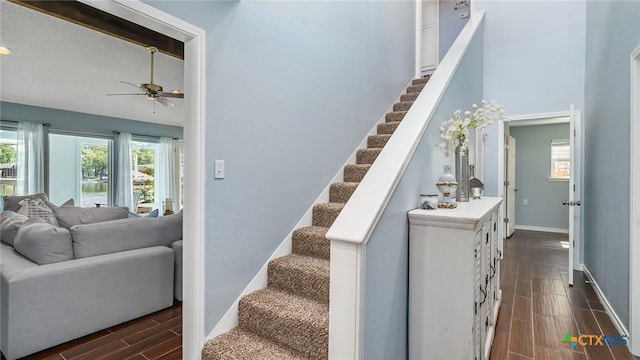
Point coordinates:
[[355, 172], [301, 275], [240, 344], [394, 116], [311, 241], [293, 321], [414, 88], [420, 81], [388, 128], [409, 97], [340, 192], [378, 141], [402, 106], [325, 214], [367, 156]]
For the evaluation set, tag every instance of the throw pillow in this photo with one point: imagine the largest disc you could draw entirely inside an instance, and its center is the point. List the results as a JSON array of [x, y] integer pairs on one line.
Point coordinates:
[[43, 243], [38, 208], [69, 202], [12, 202], [11, 222], [70, 216], [150, 214]]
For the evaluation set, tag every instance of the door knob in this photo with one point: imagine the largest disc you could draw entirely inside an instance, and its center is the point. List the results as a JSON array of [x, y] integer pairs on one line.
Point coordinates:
[[565, 202], [578, 203]]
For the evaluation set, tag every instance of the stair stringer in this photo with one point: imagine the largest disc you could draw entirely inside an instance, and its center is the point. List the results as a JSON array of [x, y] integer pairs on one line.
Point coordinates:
[[230, 319]]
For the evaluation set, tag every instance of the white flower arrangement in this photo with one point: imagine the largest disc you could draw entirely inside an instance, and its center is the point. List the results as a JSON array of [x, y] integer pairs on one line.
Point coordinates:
[[457, 127]]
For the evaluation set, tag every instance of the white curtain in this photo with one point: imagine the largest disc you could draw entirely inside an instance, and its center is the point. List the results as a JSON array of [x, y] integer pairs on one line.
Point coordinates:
[[165, 175], [124, 180], [30, 158]]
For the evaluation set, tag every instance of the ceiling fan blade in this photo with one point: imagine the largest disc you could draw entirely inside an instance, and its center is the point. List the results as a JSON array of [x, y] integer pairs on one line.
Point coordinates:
[[176, 95], [134, 85], [162, 100], [122, 94]]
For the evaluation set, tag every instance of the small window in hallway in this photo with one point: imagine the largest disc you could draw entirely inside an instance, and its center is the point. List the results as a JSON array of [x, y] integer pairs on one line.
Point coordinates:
[[560, 160]]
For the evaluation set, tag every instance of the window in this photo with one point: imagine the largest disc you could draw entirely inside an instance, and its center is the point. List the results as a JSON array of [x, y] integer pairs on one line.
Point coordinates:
[[560, 159], [143, 162], [8, 162], [79, 169]]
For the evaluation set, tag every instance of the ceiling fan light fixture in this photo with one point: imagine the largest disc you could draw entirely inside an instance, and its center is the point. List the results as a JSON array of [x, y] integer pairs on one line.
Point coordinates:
[[4, 50], [176, 91]]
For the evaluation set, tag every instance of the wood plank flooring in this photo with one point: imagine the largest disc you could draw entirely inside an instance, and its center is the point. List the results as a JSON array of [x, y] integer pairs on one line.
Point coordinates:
[[539, 308], [155, 336]]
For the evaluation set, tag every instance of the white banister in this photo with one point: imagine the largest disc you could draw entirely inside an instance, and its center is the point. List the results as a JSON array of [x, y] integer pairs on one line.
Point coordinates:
[[359, 217]]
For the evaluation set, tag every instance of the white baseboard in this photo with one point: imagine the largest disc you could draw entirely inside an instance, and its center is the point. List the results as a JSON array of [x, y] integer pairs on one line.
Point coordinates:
[[607, 306], [230, 319], [542, 228]]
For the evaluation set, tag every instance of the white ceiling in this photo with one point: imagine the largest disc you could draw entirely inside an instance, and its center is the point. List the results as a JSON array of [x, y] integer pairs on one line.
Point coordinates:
[[58, 64]]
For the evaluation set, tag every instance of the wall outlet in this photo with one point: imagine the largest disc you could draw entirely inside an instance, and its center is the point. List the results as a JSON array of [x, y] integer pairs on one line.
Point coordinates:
[[525, 201], [218, 169]]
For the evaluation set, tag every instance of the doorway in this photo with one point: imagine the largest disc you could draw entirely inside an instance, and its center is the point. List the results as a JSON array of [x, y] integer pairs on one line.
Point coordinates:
[[194, 166], [543, 171]]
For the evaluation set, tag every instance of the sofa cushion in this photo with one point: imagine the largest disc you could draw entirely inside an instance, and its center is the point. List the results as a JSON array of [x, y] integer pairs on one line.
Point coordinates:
[[125, 234], [70, 216], [12, 202], [11, 222], [38, 208], [43, 243], [151, 214]]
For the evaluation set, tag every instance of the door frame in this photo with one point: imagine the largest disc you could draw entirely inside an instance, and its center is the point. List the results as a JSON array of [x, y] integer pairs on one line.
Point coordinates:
[[539, 119], [634, 208], [194, 39]]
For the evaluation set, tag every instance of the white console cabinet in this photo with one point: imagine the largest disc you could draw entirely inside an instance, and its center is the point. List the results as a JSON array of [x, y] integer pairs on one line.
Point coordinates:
[[454, 280]]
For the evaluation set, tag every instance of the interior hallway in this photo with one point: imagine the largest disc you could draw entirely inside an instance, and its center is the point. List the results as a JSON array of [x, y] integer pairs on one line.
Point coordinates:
[[539, 308]]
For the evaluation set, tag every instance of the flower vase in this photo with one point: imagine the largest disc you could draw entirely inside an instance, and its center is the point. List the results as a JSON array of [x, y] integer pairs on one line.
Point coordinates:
[[462, 171]]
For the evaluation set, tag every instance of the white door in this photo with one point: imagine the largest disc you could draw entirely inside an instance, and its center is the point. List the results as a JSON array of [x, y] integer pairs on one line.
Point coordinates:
[[511, 185], [430, 56], [574, 188]]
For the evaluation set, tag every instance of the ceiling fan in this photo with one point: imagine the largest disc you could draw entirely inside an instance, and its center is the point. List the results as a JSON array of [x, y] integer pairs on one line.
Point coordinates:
[[154, 91]]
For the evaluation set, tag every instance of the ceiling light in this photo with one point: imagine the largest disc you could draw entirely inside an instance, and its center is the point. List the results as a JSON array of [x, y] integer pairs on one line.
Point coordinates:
[[4, 50]]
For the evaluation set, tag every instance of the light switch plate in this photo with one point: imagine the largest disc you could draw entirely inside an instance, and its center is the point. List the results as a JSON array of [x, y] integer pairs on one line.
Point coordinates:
[[218, 169]]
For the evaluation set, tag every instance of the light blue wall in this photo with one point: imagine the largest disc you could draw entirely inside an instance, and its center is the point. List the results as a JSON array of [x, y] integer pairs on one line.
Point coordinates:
[[387, 254], [533, 168], [534, 62], [63, 120], [612, 33], [450, 25], [292, 89]]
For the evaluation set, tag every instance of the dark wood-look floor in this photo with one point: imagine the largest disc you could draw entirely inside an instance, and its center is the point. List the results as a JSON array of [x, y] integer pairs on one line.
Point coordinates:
[[155, 336], [539, 308]]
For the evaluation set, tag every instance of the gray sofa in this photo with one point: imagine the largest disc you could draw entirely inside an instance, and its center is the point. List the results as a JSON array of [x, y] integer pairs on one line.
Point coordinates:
[[59, 284]]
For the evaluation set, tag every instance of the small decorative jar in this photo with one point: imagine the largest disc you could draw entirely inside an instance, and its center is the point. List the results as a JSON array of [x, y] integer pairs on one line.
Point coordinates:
[[429, 201]]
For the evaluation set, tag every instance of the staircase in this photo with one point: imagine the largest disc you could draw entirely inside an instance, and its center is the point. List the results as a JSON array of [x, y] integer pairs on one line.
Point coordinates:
[[289, 319]]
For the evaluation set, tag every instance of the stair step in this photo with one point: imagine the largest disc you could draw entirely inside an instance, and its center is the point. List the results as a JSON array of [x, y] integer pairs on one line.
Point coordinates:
[[395, 116], [311, 241], [325, 214], [355, 172], [301, 275], [421, 81], [341, 192], [296, 322], [378, 141], [245, 345], [414, 88], [402, 106], [367, 156], [388, 128], [409, 97]]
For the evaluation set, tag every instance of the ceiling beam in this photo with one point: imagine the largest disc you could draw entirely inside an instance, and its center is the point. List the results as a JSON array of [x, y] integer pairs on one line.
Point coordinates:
[[106, 23]]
